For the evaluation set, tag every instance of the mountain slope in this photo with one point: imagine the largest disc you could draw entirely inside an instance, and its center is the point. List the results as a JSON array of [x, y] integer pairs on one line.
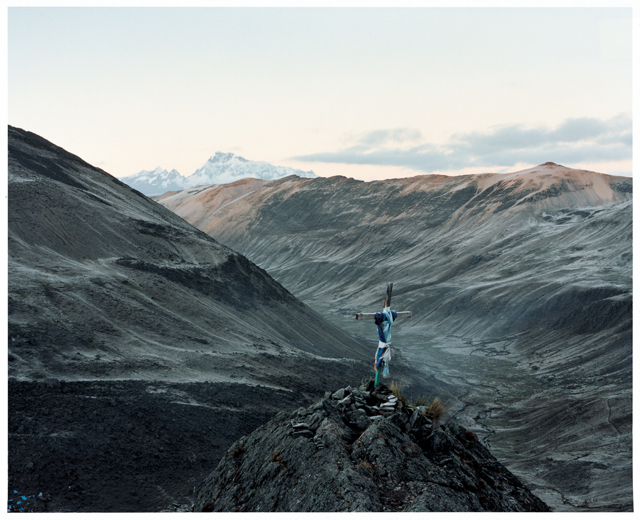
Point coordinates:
[[220, 168], [106, 271], [520, 288], [131, 332]]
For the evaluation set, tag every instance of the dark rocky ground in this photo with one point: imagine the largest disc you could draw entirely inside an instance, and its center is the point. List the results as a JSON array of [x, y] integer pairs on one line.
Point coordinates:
[[125, 445], [361, 450], [142, 446]]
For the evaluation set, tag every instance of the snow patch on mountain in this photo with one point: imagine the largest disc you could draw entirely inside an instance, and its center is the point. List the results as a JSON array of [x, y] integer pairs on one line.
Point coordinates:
[[156, 181], [220, 168]]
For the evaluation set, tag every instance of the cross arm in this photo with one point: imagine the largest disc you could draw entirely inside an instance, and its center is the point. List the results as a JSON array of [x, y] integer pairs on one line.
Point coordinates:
[[369, 315]]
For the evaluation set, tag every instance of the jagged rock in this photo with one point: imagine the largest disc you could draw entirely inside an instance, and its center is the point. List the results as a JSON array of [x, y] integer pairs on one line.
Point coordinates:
[[352, 462]]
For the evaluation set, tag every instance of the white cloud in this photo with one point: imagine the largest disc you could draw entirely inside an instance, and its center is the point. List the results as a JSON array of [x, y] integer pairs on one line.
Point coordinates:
[[576, 140]]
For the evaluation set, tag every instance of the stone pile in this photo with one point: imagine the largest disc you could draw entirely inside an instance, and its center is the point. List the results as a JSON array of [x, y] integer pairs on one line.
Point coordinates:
[[361, 450]]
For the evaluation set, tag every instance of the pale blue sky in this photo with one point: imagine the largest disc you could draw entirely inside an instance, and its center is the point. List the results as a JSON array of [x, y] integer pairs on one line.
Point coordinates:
[[363, 92]]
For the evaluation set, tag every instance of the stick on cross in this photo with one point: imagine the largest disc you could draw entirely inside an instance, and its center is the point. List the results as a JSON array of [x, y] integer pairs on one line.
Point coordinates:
[[385, 303], [383, 320]]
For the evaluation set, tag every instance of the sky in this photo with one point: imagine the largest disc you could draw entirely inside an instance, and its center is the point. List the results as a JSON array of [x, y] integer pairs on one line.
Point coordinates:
[[369, 93]]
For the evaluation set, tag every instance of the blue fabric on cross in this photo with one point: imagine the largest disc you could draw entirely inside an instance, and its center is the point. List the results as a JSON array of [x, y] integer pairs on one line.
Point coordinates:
[[384, 320]]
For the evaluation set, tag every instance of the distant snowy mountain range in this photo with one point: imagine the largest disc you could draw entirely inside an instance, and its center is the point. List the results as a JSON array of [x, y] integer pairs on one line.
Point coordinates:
[[221, 168]]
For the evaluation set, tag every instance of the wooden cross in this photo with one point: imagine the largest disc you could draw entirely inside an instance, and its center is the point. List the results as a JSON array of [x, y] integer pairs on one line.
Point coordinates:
[[382, 347]]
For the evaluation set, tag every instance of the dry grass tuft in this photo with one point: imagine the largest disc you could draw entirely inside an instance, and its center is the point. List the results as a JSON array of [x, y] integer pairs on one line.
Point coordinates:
[[237, 451], [420, 401], [278, 458], [435, 410], [395, 390], [470, 436]]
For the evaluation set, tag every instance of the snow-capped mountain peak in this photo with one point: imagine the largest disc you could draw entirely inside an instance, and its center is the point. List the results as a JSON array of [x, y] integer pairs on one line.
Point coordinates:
[[221, 157], [220, 168], [153, 182]]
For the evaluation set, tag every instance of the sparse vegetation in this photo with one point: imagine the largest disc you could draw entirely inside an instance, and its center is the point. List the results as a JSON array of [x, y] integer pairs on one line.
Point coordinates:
[[237, 451], [433, 409], [395, 390], [471, 436], [278, 458], [420, 401]]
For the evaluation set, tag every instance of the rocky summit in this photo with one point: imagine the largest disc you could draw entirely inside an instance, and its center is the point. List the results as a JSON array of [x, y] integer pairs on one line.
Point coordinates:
[[362, 450]]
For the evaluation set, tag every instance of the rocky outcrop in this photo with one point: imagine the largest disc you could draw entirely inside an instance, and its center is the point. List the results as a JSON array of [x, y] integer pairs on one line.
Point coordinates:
[[361, 450]]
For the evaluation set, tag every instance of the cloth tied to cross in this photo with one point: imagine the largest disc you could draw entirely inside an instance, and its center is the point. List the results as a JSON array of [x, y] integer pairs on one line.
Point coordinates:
[[384, 320]]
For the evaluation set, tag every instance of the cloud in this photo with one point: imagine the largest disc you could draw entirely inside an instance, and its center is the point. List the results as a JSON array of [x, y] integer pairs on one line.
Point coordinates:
[[381, 137], [575, 140]]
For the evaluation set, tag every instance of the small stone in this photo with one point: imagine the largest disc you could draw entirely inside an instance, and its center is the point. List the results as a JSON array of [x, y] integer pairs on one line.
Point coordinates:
[[339, 394], [302, 433]]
